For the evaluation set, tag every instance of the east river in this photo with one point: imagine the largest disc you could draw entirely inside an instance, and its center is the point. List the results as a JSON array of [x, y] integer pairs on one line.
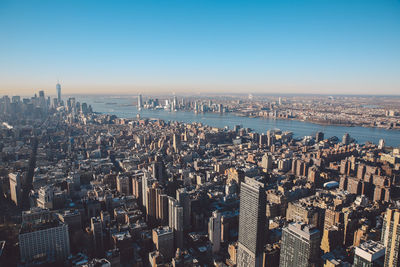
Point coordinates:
[[123, 108]]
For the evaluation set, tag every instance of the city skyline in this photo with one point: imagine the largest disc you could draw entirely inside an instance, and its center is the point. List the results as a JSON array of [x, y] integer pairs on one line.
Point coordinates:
[[80, 184], [345, 47]]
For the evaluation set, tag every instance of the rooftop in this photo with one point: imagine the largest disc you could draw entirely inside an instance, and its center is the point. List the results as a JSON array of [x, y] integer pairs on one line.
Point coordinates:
[[163, 230], [370, 250], [39, 226]]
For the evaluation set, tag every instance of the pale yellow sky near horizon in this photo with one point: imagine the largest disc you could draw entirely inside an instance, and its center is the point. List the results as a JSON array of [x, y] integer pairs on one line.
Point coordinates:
[[23, 89]]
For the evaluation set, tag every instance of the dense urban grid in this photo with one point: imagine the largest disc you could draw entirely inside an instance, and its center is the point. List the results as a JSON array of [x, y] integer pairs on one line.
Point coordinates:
[[79, 188]]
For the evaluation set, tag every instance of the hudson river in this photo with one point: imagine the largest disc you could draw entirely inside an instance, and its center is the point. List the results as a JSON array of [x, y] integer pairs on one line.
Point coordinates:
[[123, 108]]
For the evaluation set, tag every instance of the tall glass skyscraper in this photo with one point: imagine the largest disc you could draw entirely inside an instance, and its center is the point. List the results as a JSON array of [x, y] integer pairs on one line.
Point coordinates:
[[58, 87], [140, 102], [252, 223]]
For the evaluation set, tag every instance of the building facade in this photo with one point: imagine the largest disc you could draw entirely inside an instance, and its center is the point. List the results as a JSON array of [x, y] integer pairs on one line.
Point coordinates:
[[252, 223], [300, 246]]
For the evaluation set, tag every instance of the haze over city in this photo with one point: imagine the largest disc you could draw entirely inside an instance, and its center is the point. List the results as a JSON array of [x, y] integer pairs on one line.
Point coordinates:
[[200, 133], [127, 47]]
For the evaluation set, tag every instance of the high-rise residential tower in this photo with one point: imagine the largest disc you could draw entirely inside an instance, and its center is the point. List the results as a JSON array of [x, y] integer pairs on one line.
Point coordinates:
[[390, 237], [252, 223], [300, 246]]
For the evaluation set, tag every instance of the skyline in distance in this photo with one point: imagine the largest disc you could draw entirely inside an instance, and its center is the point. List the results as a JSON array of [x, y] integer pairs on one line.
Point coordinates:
[[316, 47]]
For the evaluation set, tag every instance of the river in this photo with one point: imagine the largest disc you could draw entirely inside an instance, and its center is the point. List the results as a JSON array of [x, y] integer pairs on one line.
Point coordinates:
[[122, 107]]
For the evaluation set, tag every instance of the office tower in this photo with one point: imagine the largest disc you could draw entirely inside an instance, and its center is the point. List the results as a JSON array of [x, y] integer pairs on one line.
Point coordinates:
[[390, 237], [300, 246], [6, 104], [158, 170], [46, 240], [15, 188], [46, 196], [263, 140], [214, 231], [175, 102], [71, 104], [270, 138], [58, 88], [319, 137], [266, 162], [96, 226], [346, 139], [184, 200], [123, 185], [175, 218], [105, 218], [140, 102], [369, 254], [163, 238], [252, 223], [176, 142]]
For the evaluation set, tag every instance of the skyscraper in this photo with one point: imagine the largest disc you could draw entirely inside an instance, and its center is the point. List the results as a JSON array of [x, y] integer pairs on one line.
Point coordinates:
[[140, 102], [176, 141], [151, 207], [58, 88], [252, 223], [184, 200], [175, 217], [390, 237], [162, 209], [158, 170], [300, 246], [96, 226], [214, 231]]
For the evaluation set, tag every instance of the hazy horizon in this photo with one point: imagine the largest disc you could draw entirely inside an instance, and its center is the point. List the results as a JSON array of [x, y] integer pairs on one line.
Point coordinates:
[[160, 47]]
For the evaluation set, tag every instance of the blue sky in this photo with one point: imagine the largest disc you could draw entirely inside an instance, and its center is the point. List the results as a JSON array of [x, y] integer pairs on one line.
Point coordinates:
[[304, 46]]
